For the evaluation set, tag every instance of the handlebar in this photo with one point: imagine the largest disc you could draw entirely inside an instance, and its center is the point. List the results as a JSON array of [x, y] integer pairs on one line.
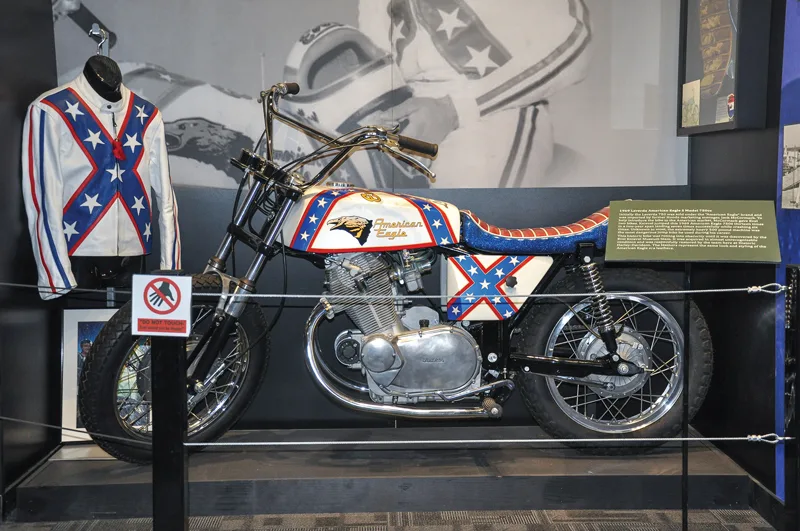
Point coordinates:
[[426, 149], [370, 136]]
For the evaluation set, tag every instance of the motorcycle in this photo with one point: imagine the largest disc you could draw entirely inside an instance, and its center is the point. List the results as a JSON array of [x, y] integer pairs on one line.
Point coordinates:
[[608, 365]]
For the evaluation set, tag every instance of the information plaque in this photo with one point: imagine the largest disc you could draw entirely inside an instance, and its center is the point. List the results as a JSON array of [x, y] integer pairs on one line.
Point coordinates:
[[693, 231]]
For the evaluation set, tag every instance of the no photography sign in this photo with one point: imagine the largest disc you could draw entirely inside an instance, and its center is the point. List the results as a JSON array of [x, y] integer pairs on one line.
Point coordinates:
[[161, 306]]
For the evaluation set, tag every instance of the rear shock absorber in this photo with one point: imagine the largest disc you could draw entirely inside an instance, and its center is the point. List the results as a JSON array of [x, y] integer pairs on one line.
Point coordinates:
[[604, 320]]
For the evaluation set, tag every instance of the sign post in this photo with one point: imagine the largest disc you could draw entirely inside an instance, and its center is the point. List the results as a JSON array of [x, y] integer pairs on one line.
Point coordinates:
[[161, 309]]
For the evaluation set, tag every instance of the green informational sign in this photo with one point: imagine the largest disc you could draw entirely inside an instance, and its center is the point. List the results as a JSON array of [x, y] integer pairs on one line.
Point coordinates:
[[693, 231]]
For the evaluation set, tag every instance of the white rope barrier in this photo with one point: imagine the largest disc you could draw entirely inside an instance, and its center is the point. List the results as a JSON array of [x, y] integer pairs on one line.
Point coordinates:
[[773, 288]]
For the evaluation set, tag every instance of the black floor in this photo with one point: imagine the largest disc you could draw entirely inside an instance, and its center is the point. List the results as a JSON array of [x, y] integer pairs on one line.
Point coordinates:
[[716, 520], [422, 477]]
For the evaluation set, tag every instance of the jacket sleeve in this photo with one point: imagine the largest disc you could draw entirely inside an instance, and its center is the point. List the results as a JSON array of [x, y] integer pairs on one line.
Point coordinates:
[[517, 65], [43, 195], [165, 196]]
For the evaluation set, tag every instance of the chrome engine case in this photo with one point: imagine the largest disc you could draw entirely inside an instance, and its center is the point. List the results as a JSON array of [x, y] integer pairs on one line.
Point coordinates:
[[420, 365]]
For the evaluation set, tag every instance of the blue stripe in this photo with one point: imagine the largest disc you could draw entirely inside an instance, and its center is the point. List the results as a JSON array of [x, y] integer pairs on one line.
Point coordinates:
[[780, 379], [44, 203]]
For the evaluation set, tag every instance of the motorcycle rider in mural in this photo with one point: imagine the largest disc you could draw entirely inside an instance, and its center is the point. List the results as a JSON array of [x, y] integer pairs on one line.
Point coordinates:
[[462, 73]]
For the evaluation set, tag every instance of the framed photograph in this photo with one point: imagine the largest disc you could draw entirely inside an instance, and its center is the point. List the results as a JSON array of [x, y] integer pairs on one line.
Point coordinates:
[[790, 187], [79, 333], [724, 53]]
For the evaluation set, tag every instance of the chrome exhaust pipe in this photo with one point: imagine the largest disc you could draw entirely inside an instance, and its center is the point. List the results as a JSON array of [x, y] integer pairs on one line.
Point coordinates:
[[311, 355]]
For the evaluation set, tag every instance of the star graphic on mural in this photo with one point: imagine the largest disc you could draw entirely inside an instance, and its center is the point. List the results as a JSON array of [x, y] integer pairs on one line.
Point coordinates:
[[426, 206], [69, 229], [496, 300], [73, 110], [480, 60], [499, 273], [312, 219], [473, 270], [436, 223], [138, 205], [322, 202], [514, 260], [147, 233], [508, 314], [304, 236], [141, 115], [91, 202], [456, 311], [444, 241], [484, 285], [94, 138], [397, 33], [132, 142], [116, 173], [462, 258], [450, 22]]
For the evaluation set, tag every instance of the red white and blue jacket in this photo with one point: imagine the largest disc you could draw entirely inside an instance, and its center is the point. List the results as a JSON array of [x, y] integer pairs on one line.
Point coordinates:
[[88, 169]]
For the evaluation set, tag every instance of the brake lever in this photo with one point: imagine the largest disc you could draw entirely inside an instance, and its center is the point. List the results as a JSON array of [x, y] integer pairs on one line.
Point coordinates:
[[411, 161]]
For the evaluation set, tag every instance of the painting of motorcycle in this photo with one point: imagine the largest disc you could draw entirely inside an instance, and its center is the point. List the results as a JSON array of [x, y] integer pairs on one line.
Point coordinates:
[[590, 101]]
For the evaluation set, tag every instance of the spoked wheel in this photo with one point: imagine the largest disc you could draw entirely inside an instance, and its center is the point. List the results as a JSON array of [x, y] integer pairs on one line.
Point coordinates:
[[649, 337], [649, 334], [115, 388], [134, 407]]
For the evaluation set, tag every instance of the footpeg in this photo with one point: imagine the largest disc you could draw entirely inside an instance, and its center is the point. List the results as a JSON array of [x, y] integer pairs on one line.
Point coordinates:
[[494, 409]]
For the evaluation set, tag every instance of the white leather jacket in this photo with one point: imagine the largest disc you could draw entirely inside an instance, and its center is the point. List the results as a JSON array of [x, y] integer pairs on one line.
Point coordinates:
[[89, 166]]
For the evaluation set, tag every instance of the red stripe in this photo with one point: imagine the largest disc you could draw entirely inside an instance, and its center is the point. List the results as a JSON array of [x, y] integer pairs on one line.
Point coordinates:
[[424, 219], [303, 217], [139, 160], [133, 220], [35, 201], [92, 114], [88, 156], [91, 227]]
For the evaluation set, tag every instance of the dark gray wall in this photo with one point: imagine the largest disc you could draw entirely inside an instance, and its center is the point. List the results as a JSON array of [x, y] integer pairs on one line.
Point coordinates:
[[742, 165], [29, 330]]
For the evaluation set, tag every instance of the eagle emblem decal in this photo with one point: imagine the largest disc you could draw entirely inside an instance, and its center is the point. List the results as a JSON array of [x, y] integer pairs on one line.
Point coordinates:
[[356, 226]]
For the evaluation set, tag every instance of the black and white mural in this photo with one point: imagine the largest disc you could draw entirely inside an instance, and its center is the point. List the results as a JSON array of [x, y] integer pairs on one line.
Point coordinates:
[[518, 93]]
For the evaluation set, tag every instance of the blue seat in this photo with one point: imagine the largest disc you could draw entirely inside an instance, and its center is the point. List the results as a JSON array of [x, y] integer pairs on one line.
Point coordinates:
[[541, 240]]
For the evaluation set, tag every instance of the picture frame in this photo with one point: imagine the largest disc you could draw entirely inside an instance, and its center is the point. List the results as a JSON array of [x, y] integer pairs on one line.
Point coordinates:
[[723, 65], [79, 327]]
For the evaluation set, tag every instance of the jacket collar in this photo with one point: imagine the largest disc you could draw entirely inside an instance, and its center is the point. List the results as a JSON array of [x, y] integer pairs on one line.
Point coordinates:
[[98, 103]]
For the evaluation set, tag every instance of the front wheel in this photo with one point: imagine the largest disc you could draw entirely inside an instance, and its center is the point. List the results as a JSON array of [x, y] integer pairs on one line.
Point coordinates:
[[114, 389], [650, 332]]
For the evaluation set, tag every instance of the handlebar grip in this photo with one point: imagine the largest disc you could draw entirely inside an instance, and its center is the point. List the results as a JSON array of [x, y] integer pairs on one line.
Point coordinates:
[[423, 148], [292, 88]]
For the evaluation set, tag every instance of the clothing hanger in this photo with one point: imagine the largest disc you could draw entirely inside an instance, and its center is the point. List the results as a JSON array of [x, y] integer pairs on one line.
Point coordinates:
[[102, 73]]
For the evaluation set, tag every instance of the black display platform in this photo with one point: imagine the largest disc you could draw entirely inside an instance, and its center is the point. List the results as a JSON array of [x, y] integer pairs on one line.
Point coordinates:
[[320, 479]]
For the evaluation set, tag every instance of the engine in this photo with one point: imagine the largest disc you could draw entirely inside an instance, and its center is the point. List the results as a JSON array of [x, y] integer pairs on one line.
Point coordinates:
[[405, 354]]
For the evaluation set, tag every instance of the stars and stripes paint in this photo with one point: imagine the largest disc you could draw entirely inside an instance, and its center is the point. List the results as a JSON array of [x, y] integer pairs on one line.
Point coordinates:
[[114, 163], [315, 216], [436, 220], [484, 286]]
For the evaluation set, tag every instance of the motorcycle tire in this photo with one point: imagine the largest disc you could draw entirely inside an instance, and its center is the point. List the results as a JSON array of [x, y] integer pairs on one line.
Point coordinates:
[[543, 395], [99, 381]]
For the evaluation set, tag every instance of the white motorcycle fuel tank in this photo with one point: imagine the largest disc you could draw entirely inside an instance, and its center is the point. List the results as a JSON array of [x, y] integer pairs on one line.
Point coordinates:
[[346, 220]]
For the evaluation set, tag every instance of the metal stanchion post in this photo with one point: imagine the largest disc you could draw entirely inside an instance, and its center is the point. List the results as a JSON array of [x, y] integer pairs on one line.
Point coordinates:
[[687, 307], [170, 424]]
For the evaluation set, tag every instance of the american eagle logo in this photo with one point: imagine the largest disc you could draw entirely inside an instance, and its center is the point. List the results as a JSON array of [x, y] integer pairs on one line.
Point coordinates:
[[357, 226]]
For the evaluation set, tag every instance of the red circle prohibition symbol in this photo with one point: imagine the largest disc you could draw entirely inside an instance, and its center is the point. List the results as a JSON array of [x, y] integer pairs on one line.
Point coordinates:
[[151, 288]]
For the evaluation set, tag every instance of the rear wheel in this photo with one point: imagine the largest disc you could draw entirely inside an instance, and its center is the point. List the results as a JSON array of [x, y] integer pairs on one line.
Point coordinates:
[[650, 335], [114, 393]]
